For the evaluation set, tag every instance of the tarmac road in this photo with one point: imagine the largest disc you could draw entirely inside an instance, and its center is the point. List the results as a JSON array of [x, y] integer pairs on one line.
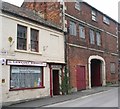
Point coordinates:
[[102, 99]]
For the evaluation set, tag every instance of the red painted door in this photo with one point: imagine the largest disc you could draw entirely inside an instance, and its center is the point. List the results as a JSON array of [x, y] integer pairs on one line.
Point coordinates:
[[56, 82], [81, 78]]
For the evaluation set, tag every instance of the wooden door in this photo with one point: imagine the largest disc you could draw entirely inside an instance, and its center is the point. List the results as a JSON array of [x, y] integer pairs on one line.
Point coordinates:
[[81, 78], [56, 82]]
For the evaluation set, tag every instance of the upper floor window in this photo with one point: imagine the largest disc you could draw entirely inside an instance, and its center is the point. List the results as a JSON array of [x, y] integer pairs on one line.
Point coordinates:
[[98, 38], [77, 5], [106, 20], [72, 28], [94, 15], [34, 40], [82, 31], [21, 37], [92, 37]]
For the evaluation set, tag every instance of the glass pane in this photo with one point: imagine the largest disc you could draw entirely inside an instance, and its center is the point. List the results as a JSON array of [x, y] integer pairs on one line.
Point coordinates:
[[21, 37], [82, 32], [92, 37], [98, 39], [26, 77], [34, 40]]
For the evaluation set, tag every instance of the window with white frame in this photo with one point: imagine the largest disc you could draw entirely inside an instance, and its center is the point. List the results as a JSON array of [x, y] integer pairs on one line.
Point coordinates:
[[94, 15], [34, 40], [26, 77], [106, 20], [92, 37], [98, 38], [77, 5], [72, 28], [112, 67], [82, 31], [21, 37]]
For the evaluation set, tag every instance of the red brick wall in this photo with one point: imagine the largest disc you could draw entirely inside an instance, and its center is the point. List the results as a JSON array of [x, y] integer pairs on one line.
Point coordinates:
[[85, 15], [50, 10], [78, 56], [119, 38]]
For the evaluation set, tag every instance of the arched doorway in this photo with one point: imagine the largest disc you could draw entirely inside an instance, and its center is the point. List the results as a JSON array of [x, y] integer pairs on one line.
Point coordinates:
[[97, 73]]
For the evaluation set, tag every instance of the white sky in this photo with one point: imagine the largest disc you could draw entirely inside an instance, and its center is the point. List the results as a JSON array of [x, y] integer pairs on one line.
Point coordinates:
[[109, 7]]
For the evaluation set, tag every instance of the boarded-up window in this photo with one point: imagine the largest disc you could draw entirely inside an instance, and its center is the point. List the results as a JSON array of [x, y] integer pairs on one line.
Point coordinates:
[[25, 77], [112, 67]]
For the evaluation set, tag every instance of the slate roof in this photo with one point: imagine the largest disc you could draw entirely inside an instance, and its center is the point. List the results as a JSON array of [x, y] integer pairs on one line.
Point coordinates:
[[27, 14]]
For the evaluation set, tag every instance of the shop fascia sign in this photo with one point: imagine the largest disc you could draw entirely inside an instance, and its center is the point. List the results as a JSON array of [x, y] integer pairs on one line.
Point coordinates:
[[26, 63]]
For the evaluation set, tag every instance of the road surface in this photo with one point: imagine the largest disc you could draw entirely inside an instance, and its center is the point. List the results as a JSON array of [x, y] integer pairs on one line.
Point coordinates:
[[103, 99]]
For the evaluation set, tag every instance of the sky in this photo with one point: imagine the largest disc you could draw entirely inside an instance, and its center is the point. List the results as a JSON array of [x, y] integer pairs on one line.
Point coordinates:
[[109, 7]]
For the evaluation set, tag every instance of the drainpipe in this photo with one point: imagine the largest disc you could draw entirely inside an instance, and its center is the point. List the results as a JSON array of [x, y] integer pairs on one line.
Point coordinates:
[[51, 87], [65, 30]]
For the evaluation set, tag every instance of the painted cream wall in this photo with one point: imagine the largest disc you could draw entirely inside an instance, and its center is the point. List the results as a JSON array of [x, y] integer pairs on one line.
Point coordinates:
[[51, 49], [0, 58], [54, 51]]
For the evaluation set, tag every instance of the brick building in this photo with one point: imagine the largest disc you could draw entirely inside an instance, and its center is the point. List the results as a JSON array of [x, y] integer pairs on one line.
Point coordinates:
[[119, 49], [91, 43]]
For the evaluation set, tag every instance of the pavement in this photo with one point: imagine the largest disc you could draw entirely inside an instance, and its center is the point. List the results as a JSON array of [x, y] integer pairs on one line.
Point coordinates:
[[41, 102]]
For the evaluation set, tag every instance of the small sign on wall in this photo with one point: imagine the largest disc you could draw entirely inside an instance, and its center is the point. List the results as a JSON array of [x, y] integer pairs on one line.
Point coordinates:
[[56, 66], [3, 80]]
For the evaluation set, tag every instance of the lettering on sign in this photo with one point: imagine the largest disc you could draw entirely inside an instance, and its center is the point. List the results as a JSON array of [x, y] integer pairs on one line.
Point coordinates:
[[56, 66], [28, 63]]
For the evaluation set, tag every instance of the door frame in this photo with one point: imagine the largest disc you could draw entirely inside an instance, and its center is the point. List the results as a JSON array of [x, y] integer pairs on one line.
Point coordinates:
[[103, 70], [53, 67]]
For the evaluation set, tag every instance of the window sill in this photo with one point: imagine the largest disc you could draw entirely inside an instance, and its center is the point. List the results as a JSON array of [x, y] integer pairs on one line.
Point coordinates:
[[94, 20], [28, 52], [113, 73], [108, 24], [27, 88]]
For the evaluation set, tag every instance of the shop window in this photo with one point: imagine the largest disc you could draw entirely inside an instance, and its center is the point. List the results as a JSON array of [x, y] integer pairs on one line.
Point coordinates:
[[21, 37], [94, 15], [112, 67], [82, 31], [26, 77], [98, 38], [34, 40], [72, 28], [92, 37]]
